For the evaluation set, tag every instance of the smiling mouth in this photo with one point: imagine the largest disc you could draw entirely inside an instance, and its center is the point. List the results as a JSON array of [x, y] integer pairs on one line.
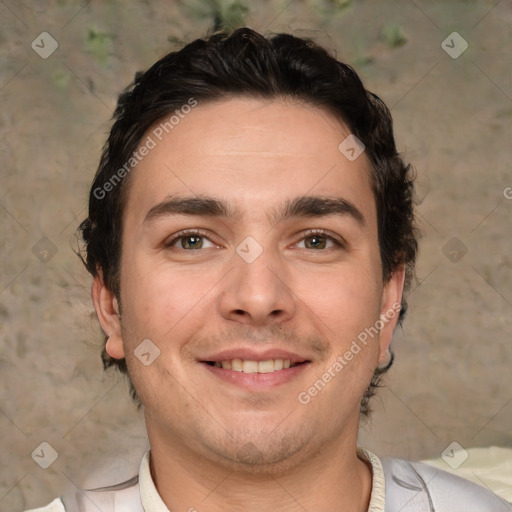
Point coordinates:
[[251, 366]]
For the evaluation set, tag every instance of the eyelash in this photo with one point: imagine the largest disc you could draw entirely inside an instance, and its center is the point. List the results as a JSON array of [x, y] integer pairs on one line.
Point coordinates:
[[307, 234]]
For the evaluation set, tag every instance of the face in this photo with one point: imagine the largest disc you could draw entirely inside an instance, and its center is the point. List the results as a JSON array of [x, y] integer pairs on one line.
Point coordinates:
[[225, 268]]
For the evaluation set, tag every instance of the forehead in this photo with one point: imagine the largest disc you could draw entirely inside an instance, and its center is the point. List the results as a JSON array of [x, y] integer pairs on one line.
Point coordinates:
[[253, 153]]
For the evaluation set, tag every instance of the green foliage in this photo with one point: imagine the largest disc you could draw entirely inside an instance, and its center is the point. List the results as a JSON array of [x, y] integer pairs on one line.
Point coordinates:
[[329, 8], [174, 40], [393, 35], [363, 60], [60, 79], [225, 14], [337, 5], [99, 44]]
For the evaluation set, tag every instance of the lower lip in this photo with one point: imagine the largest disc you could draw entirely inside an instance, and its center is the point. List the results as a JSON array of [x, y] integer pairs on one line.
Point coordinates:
[[257, 381]]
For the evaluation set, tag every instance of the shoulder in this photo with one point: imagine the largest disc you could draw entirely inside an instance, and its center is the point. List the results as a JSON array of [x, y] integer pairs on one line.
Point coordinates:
[[112, 486], [124, 496], [417, 487], [55, 506]]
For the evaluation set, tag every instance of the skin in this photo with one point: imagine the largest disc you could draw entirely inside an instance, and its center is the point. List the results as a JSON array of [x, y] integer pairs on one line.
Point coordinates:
[[215, 445]]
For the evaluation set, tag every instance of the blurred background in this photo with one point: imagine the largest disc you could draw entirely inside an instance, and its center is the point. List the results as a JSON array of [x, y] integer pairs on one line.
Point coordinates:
[[443, 67]]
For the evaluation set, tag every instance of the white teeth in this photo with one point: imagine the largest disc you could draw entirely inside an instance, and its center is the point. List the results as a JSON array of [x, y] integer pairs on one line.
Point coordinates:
[[249, 366], [236, 365], [266, 366]]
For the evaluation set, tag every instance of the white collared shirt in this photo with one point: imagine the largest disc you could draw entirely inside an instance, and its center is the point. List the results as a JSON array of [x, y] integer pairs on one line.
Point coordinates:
[[152, 502], [397, 485], [144, 497]]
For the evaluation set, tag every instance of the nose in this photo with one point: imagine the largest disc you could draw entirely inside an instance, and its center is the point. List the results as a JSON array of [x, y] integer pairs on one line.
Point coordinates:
[[258, 292]]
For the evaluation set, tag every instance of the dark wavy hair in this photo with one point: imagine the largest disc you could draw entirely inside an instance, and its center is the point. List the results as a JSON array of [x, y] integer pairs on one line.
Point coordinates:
[[245, 63]]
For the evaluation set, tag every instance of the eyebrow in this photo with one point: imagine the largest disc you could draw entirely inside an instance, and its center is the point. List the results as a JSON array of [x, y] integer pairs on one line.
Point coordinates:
[[302, 206]]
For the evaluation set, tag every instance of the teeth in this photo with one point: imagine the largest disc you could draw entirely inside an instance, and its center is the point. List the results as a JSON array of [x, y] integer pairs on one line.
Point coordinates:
[[236, 365], [266, 366], [249, 366]]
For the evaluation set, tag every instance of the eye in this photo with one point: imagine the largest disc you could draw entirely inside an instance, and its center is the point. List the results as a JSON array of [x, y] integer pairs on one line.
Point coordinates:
[[190, 240], [318, 239]]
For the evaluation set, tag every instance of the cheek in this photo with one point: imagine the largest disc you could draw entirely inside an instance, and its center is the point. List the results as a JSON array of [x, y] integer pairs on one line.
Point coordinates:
[[350, 296], [160, 300], [347, 303]]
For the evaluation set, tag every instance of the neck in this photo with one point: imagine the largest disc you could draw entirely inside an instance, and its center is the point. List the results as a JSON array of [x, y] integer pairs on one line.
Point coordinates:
[[331, 480]]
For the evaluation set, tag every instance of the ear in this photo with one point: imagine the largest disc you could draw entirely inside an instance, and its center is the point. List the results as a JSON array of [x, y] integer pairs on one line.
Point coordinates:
[[390, 310], [107, 310]]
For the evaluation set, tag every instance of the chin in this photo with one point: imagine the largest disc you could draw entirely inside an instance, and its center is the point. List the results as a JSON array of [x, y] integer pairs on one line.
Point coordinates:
[[264, 453]]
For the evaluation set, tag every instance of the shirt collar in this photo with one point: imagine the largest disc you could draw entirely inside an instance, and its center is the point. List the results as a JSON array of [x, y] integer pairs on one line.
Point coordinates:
[[152, 502], [378, 496], [149, 497]]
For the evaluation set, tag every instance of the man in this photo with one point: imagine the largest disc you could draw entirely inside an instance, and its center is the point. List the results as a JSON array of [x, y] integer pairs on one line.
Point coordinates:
[[251, 235]]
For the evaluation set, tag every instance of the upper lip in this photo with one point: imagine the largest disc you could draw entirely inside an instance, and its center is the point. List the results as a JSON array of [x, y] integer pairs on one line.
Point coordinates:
[[253, 355]]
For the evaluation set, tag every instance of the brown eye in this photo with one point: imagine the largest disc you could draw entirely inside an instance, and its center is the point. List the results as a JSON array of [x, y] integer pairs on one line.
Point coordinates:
[[316, 242], [319, 241], [189, 241]]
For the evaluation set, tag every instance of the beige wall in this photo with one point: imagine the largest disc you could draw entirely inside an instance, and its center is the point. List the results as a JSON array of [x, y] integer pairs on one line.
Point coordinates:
[[452, 378]]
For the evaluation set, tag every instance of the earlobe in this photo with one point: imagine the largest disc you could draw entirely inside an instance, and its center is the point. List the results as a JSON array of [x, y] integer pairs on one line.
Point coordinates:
[[107, 311], [385, 359], [114, 347]]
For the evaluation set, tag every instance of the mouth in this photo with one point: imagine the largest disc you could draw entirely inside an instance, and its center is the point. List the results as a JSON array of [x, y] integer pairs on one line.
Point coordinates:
[[252, 366], [256, 375]]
